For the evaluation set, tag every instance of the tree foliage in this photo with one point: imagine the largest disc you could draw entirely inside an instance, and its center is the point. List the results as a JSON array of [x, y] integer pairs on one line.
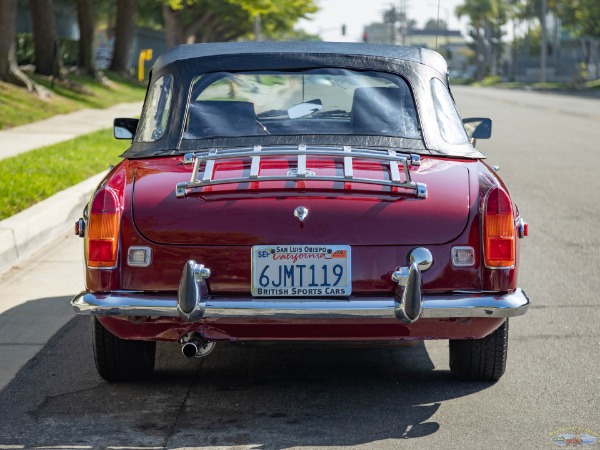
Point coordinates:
[[435, 24], [581, 15], [188, 21]]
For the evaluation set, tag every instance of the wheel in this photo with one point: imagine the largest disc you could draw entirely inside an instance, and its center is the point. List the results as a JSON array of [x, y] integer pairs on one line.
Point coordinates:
[[120, 359], [480, 359]]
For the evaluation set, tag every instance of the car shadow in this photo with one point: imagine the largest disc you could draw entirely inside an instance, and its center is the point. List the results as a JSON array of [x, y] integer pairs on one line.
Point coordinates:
[[252, 396]]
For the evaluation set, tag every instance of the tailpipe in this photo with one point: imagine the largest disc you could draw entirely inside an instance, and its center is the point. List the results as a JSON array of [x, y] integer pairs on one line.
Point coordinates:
[[197, 347]]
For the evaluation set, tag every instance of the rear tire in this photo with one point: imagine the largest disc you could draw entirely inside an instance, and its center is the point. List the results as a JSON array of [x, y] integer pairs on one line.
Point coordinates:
[[121, 359], [480, 359]]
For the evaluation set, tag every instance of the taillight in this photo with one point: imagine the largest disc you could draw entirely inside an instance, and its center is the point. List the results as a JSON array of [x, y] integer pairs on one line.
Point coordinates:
[[103, 229], [498, 230]]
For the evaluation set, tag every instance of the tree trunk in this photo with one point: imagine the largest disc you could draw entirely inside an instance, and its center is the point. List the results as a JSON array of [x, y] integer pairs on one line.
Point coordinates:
[[173, 27], [479, 39], [48, 60], [126, 12], [9, 71], [200, 26], [85, 17]]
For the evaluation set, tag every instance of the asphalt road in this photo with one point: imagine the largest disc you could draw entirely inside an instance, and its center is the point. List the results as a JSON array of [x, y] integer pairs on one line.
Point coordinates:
[[276, 397]]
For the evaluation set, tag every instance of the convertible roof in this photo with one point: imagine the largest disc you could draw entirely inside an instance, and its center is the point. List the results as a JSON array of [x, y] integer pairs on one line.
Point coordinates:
[[304, 49]]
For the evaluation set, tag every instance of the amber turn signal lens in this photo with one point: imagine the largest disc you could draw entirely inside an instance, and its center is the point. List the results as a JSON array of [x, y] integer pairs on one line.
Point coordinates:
[[498, 230], [103, 230]]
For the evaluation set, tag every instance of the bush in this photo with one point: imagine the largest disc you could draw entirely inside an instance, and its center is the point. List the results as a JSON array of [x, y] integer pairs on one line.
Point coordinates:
[[25, 51], [68, 48], [490, 81]]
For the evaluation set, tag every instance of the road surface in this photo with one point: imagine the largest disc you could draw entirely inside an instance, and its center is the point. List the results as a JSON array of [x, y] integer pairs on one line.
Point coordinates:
[[275, 397]]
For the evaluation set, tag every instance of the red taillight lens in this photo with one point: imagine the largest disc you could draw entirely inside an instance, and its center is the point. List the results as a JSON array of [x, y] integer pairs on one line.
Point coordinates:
[[103, 229], [498, 230]]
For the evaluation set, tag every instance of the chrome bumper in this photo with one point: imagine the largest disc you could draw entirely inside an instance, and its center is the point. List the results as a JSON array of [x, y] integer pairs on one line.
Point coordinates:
[[433, 306], [407, 304]]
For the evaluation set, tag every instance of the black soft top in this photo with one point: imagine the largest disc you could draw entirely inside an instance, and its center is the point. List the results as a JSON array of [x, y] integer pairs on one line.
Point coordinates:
[[305, 50], [418, 66]]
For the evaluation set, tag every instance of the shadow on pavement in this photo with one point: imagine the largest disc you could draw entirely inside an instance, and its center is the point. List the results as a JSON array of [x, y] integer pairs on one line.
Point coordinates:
[[273, 396]]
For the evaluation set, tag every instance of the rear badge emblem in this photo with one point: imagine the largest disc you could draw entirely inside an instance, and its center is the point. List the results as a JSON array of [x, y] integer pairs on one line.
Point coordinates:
[[300, 213], [294, 173]]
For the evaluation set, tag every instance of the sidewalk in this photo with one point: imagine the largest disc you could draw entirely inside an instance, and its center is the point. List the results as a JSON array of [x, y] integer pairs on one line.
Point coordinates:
[[34, 298], [35, 302], [62, 128], [24, 233]]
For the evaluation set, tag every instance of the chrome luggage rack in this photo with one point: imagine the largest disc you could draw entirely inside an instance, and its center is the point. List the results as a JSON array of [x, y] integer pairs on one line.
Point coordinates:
[[206, 160]]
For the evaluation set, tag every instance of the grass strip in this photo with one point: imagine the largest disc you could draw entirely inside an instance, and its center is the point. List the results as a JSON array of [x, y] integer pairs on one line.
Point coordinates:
[[19, 107], [31, 177]]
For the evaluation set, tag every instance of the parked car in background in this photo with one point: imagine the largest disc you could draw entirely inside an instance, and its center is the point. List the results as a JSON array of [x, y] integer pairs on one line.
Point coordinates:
[[300, 192]]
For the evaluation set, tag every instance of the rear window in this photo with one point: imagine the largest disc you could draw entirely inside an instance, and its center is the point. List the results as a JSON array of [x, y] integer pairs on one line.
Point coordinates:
[[311, 102]]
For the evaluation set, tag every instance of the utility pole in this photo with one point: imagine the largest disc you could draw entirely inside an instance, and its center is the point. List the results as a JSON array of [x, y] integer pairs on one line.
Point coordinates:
[[403, 26], [544, 48], [257, 28]]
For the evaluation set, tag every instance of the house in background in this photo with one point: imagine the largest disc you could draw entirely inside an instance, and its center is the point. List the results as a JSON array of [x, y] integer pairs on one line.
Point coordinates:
[[64, 13], [450, 43]]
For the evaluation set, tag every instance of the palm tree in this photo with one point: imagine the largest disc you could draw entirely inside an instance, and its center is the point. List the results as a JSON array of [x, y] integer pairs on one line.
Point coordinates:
[[487, 18]]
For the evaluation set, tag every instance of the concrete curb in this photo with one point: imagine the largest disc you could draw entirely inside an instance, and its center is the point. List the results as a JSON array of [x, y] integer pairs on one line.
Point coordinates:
[[26, 232]]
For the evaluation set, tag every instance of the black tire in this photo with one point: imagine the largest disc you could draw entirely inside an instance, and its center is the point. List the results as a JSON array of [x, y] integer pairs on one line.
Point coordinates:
[[120, 359], [480, 359]]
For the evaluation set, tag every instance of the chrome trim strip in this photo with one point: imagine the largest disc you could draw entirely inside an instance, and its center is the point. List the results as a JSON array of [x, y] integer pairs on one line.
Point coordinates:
[[348, 167], [213, 154], [121, 303], [298, 177], [301, 173], [208, 171], [394, 172], [255, 166]]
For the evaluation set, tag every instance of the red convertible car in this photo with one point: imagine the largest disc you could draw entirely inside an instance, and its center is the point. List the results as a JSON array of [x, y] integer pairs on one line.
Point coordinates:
[[300, 192]]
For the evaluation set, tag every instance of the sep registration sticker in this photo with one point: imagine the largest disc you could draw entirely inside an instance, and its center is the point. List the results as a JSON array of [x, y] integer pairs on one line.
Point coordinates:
[[301, 271]]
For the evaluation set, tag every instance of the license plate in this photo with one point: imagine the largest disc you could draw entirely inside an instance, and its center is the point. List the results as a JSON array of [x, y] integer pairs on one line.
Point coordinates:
[[301, 271]]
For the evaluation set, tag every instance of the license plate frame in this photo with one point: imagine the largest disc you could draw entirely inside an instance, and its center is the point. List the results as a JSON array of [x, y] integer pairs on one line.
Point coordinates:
[[301, 270]]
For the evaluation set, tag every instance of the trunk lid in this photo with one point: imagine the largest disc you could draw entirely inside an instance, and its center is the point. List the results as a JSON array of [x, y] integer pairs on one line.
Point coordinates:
[[344, 213]]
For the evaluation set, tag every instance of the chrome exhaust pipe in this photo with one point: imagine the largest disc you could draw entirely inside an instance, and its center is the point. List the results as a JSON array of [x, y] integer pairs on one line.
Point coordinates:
[[197, 348], [190, 349]]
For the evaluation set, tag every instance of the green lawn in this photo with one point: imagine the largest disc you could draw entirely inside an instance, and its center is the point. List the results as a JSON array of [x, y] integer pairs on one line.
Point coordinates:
[[19, 107], [30, 177]]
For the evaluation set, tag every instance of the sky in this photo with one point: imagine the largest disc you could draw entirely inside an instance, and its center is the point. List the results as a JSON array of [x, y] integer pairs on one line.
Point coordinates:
[[355, 14]]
